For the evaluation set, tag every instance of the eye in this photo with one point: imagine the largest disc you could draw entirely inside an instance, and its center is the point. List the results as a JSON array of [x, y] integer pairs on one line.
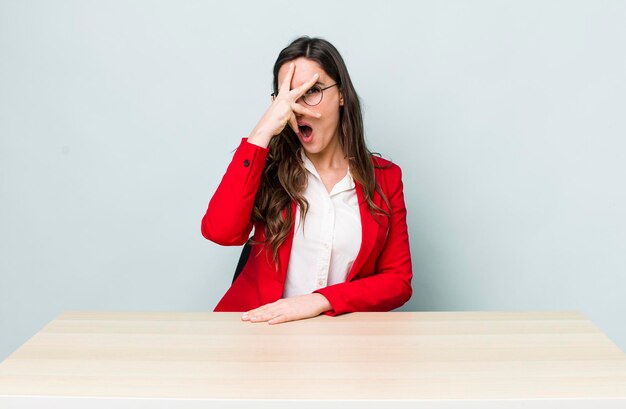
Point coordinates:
[[313, 90]]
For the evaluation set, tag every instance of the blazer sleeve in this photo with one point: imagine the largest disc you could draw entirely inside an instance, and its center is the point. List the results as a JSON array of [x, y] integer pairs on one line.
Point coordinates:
[[227, 220], [390, 285]]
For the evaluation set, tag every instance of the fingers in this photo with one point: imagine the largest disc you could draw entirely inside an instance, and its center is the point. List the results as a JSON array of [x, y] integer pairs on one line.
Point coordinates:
[[302, 110], [290, 119], [256, 312], [273, 313], [305, 87], [286, 84], [271, 316], [278, 319], [293, 123], [285, 309]]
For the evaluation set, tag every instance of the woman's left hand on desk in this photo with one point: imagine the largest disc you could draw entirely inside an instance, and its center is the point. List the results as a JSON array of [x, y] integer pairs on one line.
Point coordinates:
[[289, 309]]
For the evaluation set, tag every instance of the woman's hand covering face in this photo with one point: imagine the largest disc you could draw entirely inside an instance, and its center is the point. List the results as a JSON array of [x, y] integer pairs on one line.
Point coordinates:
[[284, 107]]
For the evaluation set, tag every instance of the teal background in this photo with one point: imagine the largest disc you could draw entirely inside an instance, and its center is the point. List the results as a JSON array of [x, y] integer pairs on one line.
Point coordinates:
[[118, 119]]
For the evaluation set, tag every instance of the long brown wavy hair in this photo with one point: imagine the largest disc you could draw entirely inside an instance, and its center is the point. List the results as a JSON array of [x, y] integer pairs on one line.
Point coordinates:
[[284, 177]]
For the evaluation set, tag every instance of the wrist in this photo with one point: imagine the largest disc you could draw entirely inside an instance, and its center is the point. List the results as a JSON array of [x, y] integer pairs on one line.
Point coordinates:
[[259, 138], [324, 304]]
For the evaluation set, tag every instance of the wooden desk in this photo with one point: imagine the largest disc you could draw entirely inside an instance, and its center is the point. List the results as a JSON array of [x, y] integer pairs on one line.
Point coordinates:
[[407, 359]]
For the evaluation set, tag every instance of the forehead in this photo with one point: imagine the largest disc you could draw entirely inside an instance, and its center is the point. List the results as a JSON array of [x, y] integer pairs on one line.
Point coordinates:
[[304, 70]]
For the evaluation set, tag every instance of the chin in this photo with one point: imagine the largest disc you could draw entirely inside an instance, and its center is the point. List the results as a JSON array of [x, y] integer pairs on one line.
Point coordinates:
[[316, 146], [312, 149]]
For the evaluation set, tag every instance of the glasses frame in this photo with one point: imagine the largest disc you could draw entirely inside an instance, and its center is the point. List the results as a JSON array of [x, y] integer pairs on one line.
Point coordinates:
[[275, 94]]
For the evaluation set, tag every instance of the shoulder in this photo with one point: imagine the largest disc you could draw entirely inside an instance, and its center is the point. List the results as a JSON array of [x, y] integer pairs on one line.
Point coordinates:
[[386, 168], [388, 174]]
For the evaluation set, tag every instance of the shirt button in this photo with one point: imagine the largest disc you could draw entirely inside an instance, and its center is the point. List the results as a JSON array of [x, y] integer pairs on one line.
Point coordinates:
[[246, 163]]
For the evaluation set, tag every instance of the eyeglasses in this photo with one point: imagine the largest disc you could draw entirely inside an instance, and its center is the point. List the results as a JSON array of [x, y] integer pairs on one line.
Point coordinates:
[[312, 97]]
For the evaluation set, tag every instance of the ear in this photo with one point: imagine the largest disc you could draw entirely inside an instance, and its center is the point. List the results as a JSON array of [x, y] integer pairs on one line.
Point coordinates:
[[340, 99]]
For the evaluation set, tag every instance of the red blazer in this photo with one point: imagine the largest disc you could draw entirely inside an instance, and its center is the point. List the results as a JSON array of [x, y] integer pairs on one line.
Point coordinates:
[[380, 278]]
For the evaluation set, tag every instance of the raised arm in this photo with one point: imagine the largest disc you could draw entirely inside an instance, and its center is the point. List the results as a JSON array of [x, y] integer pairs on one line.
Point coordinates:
[[227, 219]]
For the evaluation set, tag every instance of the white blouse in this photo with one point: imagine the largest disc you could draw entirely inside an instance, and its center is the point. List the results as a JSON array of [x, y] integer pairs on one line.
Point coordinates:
[[325, 247]]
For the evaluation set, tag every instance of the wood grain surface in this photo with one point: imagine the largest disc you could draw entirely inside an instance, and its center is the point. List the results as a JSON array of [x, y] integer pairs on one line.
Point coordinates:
[[411, 356]]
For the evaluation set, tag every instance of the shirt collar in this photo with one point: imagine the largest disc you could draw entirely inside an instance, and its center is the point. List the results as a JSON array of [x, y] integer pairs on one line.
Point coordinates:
[[347, 183]]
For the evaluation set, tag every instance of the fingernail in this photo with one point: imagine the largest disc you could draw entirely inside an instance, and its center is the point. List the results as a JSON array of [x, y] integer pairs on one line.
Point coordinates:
[[245, 315], [290, 65]]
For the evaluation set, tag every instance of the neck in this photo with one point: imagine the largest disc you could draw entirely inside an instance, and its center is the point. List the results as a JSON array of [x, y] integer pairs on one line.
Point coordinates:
[[330, 158]]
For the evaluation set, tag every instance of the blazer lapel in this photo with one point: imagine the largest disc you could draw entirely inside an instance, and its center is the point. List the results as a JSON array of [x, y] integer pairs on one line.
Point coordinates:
[[369, 230]]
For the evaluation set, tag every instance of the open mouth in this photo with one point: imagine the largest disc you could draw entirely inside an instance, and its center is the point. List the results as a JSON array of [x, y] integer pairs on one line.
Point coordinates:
[[306, 133]]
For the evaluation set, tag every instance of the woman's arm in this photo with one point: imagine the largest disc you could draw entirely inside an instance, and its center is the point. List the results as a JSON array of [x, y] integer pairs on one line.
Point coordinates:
[[390, 285], [227, 219]]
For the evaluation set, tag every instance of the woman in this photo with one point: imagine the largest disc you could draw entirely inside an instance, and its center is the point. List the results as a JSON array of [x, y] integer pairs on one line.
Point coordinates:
[[330, 233]]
